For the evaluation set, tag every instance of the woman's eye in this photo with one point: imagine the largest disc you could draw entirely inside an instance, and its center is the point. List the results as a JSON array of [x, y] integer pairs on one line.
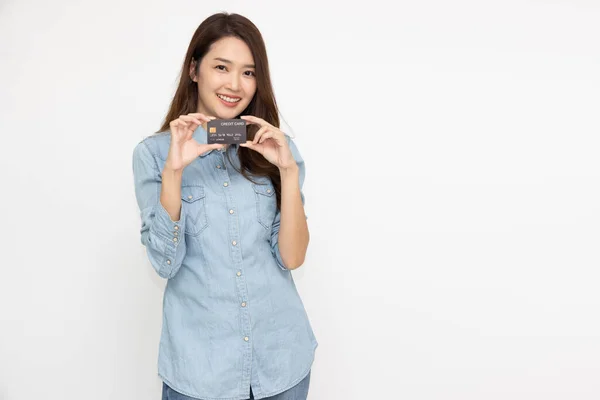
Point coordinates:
[[224, 68]]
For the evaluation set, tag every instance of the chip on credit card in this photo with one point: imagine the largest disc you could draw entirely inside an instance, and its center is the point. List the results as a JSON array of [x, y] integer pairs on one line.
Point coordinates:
[[226, 131]]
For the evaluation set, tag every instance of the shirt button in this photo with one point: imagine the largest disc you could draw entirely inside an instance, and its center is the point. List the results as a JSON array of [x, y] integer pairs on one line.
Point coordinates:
[[218, 166], [190, 197], [234, 242], [230, 211], [268, 190], [174, 239], [239, 273], [176, 227], [225, 184], [246, 338], [169, 262], [175, 233], [244, 304]]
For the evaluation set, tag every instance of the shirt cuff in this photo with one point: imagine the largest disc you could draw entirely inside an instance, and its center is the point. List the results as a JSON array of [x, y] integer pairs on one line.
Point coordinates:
[[171, 231]]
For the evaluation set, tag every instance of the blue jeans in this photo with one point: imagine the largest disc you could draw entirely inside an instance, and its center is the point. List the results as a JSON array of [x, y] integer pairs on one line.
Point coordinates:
[[298, 392]]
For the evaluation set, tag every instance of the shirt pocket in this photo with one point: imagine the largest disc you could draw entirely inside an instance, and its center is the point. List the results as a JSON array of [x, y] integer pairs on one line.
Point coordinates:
[[194, 204], [266, 203]]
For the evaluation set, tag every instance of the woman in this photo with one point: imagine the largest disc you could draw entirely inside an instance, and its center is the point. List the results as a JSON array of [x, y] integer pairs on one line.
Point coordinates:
[[225, 225]]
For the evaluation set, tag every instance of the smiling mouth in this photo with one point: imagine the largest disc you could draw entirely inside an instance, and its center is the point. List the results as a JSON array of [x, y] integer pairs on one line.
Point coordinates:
[[231, 100]]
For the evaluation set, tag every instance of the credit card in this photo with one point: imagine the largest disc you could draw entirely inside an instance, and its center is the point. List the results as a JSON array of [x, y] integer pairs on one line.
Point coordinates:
[[226, 131]]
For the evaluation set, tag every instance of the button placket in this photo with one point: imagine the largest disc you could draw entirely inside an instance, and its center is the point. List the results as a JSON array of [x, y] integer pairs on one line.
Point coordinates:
[[230, 194]]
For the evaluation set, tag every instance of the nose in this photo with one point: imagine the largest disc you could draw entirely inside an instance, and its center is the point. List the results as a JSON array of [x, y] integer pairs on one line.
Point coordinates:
[[234, 83]]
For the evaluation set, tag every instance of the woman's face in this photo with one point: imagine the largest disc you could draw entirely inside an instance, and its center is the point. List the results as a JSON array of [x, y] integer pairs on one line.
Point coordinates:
[[226, 79]]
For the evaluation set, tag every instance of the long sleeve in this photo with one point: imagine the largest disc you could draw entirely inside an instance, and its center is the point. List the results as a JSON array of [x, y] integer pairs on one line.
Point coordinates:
[[277, 220], [163, 238]]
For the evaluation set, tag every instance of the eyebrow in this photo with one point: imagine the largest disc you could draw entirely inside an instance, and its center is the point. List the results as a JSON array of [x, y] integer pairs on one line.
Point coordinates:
[[230, 62]]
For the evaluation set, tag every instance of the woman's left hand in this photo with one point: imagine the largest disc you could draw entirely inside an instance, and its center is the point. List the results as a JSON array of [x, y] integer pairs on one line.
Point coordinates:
[[271, 143]]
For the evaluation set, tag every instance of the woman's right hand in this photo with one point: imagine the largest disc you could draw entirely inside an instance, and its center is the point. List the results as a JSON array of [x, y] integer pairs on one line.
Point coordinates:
[[184, 148]]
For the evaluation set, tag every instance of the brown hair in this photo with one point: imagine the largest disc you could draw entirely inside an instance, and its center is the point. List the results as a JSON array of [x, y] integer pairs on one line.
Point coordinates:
[[262, 105]]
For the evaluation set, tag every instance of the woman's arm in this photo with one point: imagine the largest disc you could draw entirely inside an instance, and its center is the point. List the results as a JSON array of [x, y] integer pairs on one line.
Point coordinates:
[[293, 229], [162, 230], [290, 235]]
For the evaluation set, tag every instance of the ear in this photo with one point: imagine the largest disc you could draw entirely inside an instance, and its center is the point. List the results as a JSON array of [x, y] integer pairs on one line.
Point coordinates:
[[192, 72]]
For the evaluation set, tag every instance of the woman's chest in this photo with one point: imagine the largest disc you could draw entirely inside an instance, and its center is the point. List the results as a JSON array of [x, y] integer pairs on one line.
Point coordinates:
[[218, 198]]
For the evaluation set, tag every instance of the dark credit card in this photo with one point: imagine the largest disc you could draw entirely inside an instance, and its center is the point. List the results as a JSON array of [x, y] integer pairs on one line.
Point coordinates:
[[226, 131]]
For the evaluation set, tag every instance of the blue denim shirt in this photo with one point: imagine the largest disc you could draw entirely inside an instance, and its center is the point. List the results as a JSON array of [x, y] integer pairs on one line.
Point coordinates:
[[232, 316]]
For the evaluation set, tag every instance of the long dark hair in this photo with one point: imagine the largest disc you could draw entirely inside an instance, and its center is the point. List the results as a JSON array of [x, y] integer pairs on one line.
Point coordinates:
[[262, 105]]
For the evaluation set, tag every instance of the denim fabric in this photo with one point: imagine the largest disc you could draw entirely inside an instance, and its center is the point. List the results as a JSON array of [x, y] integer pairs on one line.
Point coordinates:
[[298, 392], [232, 317]]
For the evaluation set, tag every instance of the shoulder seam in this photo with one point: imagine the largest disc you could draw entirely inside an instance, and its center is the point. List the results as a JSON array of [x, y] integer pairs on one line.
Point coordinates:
[[154, 155]]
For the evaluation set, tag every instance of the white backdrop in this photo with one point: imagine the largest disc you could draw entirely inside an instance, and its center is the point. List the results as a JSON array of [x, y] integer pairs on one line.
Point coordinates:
[[452, 189]]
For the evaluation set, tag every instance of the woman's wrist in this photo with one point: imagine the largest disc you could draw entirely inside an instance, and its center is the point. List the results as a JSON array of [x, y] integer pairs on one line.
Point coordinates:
[[289, 171]]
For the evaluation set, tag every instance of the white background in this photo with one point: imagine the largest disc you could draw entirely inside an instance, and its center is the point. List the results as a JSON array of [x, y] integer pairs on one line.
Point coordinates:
[[452, 190]]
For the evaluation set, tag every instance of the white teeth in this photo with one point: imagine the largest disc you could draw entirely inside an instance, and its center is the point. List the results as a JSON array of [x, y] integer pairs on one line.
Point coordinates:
[[228, 99]]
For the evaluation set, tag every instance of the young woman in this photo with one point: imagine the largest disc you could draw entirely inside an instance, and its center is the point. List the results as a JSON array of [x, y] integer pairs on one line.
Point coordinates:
[[225, 225]]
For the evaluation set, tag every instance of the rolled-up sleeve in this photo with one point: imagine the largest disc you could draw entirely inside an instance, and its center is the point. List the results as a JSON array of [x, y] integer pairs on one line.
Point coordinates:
[[163, 238], [277, 220]]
